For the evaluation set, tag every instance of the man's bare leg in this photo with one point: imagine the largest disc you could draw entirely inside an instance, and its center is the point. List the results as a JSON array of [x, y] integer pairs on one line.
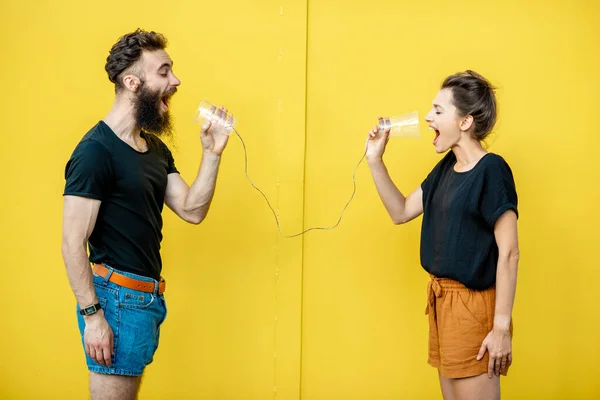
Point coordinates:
[[114, 387]]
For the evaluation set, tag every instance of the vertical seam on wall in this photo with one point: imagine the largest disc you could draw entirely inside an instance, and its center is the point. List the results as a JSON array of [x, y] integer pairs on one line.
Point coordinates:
[[303, 206]]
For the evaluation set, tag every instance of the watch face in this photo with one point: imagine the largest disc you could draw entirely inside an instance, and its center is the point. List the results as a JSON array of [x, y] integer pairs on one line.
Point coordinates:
[[90, 309]]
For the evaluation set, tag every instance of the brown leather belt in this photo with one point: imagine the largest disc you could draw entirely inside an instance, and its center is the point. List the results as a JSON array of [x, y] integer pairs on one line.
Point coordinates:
[[129, 283]]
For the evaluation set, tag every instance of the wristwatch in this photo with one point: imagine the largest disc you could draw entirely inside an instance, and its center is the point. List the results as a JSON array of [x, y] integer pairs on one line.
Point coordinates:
[[89, 310]]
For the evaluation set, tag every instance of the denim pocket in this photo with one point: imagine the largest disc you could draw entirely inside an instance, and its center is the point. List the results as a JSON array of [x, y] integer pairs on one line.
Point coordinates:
[[135, 299], [163, 302]]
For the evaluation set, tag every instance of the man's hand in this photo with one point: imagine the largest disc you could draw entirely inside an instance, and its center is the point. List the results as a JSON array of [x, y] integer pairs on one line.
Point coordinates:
[[98, 338], [214, 136]]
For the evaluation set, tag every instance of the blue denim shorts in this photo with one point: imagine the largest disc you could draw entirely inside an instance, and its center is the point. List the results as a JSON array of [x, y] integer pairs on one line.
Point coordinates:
[[135, 318]]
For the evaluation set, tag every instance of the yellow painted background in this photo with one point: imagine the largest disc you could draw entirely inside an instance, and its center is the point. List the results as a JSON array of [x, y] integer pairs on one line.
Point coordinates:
[[334, 314]]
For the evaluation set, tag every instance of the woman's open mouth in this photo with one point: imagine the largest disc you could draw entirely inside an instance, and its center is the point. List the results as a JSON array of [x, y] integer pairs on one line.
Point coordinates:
[[437, 135]]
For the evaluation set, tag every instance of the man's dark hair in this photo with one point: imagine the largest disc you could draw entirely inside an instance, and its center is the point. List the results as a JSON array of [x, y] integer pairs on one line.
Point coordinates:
[[128, 50]]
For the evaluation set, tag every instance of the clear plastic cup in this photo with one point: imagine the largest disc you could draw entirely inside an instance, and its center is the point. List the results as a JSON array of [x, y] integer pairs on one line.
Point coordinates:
[[207, 111], [404, 126]]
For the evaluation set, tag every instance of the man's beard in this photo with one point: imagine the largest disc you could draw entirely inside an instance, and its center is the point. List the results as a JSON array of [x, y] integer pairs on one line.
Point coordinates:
[[148, 116]]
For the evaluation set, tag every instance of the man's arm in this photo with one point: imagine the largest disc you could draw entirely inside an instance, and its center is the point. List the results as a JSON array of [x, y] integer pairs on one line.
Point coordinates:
[[192, 203], [79, 219]]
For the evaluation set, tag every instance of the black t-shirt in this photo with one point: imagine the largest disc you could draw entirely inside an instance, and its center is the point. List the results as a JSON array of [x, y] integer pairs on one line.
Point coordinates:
[[131, 187], [459, 213]]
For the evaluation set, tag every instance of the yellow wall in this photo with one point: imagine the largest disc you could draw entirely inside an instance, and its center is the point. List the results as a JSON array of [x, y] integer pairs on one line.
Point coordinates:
[[335, 314]]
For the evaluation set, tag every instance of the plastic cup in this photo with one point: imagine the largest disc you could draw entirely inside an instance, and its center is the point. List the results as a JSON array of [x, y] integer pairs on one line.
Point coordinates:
[[207, 111], [404, 126]]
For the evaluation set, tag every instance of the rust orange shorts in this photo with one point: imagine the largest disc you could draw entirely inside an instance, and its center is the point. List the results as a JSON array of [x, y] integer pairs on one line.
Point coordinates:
[[459, 321]]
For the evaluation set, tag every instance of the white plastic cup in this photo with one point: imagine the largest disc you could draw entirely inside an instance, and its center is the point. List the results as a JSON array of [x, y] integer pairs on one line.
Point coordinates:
[[207, 111], [404, 126]]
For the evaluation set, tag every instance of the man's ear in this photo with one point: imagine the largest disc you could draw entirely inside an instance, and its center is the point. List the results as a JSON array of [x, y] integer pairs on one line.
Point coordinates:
[[131, 82]]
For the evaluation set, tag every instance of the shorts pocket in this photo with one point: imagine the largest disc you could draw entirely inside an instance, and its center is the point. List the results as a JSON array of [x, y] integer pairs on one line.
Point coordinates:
[[135, 299], [474, 308]]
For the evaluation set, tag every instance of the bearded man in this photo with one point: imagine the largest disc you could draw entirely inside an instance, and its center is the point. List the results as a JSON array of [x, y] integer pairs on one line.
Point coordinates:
[[117, 180]]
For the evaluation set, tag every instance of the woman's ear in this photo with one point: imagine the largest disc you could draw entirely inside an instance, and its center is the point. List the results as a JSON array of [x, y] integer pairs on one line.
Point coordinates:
[[466, 123]]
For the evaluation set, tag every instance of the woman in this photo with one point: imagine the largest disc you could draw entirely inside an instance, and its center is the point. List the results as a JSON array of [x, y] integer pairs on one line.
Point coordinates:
[[469, 240]]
